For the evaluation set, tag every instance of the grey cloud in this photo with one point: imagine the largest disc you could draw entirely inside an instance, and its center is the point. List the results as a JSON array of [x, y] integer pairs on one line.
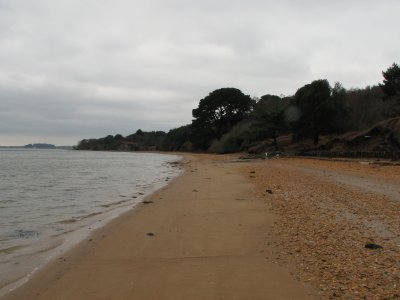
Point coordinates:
[[76, 69]]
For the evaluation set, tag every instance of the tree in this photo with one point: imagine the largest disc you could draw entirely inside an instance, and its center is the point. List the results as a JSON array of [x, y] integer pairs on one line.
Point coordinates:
[[269, 117], [177, 139], [217, 114], [365, 107], [340, 113], [391, 82], [391, 90], [320, 107]]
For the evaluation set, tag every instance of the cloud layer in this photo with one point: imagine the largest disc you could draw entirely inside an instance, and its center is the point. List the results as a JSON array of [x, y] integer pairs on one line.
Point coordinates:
[[76, 69]]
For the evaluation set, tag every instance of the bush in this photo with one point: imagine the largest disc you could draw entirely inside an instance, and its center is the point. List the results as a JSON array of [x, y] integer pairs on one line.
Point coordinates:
[[233, 141]]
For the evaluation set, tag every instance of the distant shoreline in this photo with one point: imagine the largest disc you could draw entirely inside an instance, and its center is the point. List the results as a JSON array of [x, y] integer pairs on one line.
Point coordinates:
[[24, 147]]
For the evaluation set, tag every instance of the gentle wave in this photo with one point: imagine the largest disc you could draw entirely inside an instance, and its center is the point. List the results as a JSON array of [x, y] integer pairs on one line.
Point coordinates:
[[46, 196]]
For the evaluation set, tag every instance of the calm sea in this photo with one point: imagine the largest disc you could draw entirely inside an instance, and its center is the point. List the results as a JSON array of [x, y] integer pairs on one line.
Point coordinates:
[[51, 199]]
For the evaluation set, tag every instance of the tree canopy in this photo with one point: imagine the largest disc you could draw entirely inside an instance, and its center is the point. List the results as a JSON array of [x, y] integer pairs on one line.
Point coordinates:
[[320, 106], [138, 141], [391, 81], [217, 114], [269, 117], [177, 139], [227, 120]]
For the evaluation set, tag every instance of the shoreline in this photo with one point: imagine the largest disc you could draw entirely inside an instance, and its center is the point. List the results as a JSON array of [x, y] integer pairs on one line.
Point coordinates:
[[47, 249], [194, 239]]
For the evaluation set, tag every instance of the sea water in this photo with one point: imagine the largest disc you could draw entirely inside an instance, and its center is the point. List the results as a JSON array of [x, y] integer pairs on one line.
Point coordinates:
[[51, 199]]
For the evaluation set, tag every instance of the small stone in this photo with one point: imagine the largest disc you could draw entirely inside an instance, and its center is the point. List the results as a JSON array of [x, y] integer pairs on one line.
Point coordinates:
[[147, 202], [373, 246]]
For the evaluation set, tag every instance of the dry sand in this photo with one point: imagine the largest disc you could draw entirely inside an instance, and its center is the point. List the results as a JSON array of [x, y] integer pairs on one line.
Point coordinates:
[[205, 236]]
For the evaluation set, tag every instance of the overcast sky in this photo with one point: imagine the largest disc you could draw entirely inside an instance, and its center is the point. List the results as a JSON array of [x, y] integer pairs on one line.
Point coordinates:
[[78, 69]]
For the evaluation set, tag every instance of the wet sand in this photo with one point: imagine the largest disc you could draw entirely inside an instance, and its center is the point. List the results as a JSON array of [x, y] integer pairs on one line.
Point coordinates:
[[204, 236]]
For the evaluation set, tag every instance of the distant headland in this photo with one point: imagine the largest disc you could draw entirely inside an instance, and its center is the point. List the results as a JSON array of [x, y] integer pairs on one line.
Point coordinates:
[[40, 146], [47, 146]]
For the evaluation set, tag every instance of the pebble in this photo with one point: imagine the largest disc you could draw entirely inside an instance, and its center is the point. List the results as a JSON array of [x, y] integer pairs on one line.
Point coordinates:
[[323, 224]]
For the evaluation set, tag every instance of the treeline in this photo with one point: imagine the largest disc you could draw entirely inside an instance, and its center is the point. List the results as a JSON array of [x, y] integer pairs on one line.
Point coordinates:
[[139, 141], [227, 120]]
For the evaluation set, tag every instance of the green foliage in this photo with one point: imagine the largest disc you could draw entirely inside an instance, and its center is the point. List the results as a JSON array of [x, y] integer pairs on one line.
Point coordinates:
[[186, 146], [391, 90], [269, 119], [319, 109], [339, 116], [217, 114], [141, 140], [137, 141], [107, 143], [178, 139], [229, 121], [391, 81], [233, 141]]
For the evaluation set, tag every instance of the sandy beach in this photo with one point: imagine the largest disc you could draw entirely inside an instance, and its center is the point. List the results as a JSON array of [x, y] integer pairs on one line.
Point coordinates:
[[194, 239], [234, 229]]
